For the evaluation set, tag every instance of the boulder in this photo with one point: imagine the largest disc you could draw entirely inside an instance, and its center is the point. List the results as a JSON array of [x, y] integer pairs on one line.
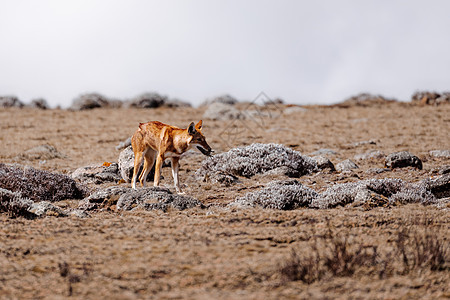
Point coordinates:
[[146, 100], [256, 159], [41, 152], [222, 112], [323, 163], [346, 165], [98, 173], [124, 144], [365, 100], [89, 101], [15, 205], [403, 159], [10, 101], [39, 104], [440, 153], [224, 99], [283, 195], [439, 186], [176, 103], [148, 198], [39, 185]]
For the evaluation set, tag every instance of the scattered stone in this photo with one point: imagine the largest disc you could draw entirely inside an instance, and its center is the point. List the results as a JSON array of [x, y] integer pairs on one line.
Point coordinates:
[[377, 170], [430, 98], [15, 205], [149, 198], [365, 100], [324, 152], [176, 103], [10, 101], [42, 152], [45, 208], [346, 165], [370, 155], [439, 186], [222, 112], [97, 174], [293, 110], [224, 99], [403, 159], [92, 100], [39, 185], [255, 159], [39, 104], [283, 195], [147, 100], [440, 153], [362, 143], [324, 163]]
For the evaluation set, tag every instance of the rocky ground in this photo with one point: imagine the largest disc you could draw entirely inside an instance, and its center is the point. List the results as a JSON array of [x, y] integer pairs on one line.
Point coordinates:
[[350, 218]]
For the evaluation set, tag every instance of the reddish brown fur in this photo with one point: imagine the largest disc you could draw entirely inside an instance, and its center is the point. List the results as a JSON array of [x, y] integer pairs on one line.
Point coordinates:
[[156, 139]]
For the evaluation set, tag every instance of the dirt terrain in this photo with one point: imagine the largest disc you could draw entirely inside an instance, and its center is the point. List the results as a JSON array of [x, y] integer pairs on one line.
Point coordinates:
[[399, 252]]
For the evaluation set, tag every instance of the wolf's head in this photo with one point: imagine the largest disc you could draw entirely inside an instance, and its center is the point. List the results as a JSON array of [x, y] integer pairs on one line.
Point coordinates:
[[198, 139]]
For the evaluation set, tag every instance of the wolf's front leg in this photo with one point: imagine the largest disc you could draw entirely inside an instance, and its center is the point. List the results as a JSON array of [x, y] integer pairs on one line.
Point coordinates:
[[175, 169]]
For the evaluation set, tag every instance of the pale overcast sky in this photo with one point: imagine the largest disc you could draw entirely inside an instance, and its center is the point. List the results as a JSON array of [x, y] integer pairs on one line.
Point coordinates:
[[301, 51]]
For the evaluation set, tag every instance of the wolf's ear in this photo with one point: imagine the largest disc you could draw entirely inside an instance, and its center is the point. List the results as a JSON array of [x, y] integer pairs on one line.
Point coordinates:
[[199, 125], [191, 129]]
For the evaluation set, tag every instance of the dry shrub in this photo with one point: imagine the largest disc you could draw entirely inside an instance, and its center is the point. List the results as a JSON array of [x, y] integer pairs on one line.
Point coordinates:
[[39, 185], [412, 252]]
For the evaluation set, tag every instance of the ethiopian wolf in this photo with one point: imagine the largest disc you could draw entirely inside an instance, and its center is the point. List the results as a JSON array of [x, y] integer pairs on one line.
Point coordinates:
[[157, 141]]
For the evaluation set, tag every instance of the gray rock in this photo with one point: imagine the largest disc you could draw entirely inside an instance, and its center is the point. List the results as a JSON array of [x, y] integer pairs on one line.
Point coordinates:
[[439, 186], [124, 144], [324, 152], [256, 159], [10, 101], [440, 153], [283, 195], [15, 205], [45, 208], [223, 112], [41, 152], [97, 174], [147, 100], [346, 165], [324, 163], [39, 104], [370, 155], [176, 103], [224, 99], [377, 170], [403, 159], [40, 185], [362, 143], [147, 198], [126, 163], [89, 101]]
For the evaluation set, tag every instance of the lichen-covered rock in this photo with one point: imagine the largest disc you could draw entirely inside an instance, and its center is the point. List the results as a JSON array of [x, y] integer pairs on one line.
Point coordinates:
[[148, 198], [323, 163], [15, 205], [430, 98], [396, 191], [92, 100], [439, 186], [222, 112], [10, 101], [41, 152], [122, 145], [146, 100], [39, 185], [403, 159], [324, 152], [283, 195], [440, 153], [45, 208], [255, 159], [365, 100], [39, 104], [224, 99], [346, 165], [98, 174]]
